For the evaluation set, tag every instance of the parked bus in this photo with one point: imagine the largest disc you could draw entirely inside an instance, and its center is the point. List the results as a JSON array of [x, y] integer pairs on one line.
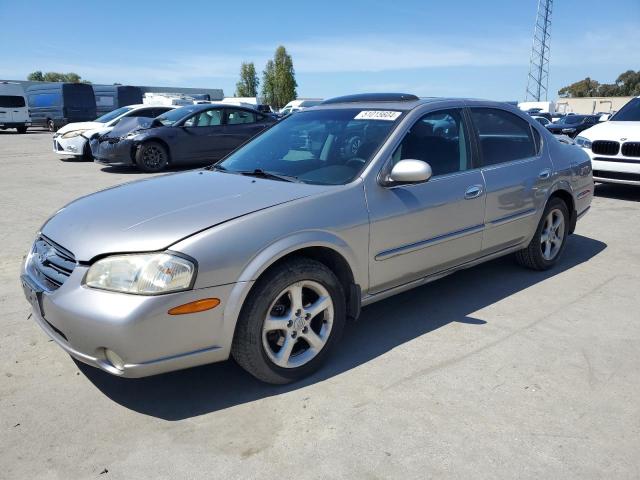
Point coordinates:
[[13, 107], [53, 105], [112, 97]]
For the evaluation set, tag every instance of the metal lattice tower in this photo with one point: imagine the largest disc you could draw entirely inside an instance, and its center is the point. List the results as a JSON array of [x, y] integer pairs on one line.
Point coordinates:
[[538, 81]]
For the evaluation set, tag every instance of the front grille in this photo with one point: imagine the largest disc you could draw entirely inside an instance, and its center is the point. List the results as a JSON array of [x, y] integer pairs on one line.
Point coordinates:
[[605, 147], [635, 177], [631, 149], [50, 264]]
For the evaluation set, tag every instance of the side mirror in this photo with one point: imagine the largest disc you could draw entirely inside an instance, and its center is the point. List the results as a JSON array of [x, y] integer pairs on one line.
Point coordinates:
[[409, 171]]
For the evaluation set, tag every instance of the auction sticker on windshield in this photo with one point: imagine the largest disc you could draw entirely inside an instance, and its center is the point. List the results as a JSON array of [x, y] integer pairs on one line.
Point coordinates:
[[388, 115]]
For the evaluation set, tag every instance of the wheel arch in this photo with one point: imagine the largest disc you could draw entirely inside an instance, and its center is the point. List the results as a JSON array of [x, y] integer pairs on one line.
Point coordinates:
[[563, 192], [321, 246], [139, 144]]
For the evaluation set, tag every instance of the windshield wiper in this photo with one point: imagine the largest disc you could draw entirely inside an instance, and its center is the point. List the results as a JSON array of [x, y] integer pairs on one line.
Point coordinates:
[[258, 172]]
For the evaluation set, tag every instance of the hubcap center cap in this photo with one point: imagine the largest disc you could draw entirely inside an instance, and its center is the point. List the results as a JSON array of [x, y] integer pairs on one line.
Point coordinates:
[[298, 323]]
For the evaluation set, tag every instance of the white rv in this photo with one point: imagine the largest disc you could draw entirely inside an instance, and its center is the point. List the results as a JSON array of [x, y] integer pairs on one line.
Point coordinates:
[[14, 112]]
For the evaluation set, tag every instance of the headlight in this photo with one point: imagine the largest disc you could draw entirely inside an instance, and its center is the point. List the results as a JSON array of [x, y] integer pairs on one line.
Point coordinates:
[[583, 142], [141, 274], [73, 133], [135, 133]]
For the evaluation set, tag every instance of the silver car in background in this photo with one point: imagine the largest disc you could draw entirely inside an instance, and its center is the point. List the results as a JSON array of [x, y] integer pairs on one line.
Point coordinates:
[[265, 255]]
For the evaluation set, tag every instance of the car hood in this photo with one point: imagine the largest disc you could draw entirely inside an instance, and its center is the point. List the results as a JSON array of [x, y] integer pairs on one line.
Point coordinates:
[[131, 124], [70, 127], [612, 130], [153, 214]]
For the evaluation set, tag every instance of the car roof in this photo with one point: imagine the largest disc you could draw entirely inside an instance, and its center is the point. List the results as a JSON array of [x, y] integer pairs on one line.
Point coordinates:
[[404, 102]]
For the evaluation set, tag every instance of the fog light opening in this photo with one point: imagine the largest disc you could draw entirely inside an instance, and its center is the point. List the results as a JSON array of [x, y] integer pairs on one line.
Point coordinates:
[[114, 359]]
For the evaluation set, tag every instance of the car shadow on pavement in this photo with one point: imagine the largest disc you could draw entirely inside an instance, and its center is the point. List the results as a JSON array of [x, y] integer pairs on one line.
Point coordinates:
[[28, 132], [618, 191], [382, 327]]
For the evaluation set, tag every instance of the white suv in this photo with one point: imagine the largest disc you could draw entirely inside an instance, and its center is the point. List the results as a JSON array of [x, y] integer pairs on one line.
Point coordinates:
[[614, 146], [73, 138]]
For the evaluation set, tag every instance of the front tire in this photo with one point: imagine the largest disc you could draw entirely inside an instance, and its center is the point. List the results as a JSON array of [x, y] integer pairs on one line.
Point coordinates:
[[21, 129], [87, 155], [550, 238], [51, 126], [152, 157], [290, 322]]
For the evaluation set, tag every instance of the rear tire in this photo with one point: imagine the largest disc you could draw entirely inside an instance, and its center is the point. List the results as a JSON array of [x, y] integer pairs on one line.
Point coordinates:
[[21, 129], [152, 157], [283, 336], [550, 238]]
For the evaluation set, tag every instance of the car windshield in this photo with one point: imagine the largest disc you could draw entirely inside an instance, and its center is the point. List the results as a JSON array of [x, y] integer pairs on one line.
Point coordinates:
[[323, 147], [629, 113], [107, 117], [172, 116]]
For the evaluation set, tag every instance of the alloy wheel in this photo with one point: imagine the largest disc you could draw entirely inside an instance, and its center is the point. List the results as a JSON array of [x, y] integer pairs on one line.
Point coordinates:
[[552, 234], [298, 324], [152, 156]]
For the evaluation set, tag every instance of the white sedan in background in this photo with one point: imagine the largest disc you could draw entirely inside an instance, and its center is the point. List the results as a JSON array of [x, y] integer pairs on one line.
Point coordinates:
[[73, 138]]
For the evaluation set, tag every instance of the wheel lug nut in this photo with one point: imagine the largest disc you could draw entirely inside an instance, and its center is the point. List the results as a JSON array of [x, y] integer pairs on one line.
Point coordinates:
[[294, 334], [298, 313], [305, 329], [289, 323]]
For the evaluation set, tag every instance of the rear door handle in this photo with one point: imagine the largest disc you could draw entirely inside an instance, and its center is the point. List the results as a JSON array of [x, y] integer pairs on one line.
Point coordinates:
[[474, 191], [544, 174]]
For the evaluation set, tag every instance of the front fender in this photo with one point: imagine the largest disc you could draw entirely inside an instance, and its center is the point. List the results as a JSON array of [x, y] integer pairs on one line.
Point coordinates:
[[298, 241]]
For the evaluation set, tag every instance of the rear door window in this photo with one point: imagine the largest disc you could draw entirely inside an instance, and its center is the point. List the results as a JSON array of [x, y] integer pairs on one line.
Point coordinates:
[[504, 136], [237, 117], [11, 101]]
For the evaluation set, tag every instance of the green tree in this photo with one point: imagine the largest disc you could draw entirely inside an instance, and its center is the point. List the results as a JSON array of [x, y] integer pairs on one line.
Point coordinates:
[[629, 83], [268, 84], [626, 85], [70, 77], [279, 79], [248, 84], [36, 76], [582, 88]]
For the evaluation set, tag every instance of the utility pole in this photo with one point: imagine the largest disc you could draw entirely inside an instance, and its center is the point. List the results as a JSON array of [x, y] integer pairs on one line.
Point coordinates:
[[538, 81]]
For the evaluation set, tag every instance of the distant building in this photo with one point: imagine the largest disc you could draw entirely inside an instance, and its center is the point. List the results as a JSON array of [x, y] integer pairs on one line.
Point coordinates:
[[589, 105]]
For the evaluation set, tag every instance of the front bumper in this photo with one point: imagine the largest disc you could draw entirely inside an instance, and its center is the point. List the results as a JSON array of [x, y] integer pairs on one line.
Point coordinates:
[[69, 146], [118, 152], [85, 321], [615, 169]]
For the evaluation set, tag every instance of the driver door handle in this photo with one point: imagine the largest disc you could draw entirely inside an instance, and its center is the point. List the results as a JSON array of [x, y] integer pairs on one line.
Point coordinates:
[[544, 174], [474, 191]]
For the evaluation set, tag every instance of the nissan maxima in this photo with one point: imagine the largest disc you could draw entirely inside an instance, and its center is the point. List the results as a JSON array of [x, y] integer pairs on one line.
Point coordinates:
[[266, 254]]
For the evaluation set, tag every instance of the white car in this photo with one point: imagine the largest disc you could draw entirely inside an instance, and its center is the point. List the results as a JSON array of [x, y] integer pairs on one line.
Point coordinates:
[[614, 146], [541, 120], [73, 138]]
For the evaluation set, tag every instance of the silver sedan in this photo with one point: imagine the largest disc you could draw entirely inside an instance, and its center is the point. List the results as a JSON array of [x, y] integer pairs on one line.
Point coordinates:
[[265, 255]]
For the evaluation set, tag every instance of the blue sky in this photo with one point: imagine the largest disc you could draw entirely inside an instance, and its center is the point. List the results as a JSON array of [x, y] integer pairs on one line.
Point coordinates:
[[431, 48]]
